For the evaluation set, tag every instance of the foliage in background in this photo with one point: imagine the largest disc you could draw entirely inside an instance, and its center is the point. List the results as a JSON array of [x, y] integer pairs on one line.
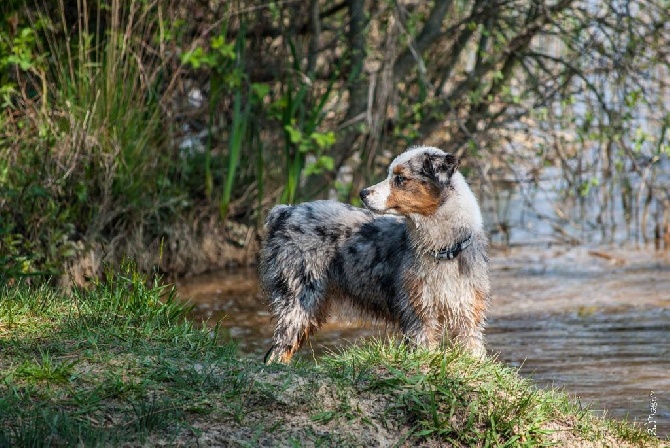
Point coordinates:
[[122, 119], [79, 132]]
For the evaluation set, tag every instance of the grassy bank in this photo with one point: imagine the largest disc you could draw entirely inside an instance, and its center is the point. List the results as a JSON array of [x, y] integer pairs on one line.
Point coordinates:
[[121, 365]]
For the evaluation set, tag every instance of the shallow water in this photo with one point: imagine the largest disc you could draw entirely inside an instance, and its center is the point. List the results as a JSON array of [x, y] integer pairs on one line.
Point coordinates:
[[593, 322]]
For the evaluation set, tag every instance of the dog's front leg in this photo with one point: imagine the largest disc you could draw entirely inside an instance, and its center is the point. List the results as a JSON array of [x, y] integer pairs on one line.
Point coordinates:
[[414, 329], [473, 341]]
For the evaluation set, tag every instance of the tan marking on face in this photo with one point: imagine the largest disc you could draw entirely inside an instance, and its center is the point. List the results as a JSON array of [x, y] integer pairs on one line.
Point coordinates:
[[413, 196]]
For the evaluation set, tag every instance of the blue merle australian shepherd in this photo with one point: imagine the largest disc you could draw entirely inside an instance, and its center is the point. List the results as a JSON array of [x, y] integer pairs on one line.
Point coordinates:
[[416, 258]]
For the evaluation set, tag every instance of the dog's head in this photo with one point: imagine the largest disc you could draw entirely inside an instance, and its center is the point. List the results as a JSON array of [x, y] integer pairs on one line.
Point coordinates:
[[419, 182]]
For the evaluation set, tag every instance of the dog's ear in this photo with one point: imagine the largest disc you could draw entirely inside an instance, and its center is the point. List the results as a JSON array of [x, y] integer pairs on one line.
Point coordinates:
[[440, 168]]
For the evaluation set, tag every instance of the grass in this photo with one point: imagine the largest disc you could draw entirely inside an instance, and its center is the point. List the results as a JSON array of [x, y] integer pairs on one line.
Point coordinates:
[[103, 367], [121, 364]]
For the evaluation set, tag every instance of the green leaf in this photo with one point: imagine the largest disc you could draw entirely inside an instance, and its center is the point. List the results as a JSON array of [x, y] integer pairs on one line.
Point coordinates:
[[322, 163], [193, 58], [323, 140], [227, 51], [295, 135], [260, 90], [327, 162]]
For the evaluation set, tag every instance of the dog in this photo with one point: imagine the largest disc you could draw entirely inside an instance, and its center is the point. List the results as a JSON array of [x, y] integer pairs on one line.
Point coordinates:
[[416, 257]]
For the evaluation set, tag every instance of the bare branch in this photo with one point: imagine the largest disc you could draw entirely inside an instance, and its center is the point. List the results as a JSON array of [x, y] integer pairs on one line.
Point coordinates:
[[315, 23], [505, 60], [431, 31], [358, 87]]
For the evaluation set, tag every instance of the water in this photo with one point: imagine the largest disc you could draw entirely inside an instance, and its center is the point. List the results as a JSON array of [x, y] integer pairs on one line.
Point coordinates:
[[593, 322], [529, 209]]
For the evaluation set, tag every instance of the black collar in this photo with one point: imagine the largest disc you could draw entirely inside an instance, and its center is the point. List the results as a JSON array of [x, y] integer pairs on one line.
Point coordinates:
[[451, 252]]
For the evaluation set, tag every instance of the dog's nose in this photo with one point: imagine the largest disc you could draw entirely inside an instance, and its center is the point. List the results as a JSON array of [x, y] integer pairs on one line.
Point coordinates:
[[364, 194]]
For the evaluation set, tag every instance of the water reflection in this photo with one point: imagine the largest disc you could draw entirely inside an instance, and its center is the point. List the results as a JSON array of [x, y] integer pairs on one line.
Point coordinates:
[[597, 326], [540, 206]]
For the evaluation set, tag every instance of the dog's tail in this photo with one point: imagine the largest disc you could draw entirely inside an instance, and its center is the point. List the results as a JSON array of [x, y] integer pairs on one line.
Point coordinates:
[[277, 216], [276, 220]]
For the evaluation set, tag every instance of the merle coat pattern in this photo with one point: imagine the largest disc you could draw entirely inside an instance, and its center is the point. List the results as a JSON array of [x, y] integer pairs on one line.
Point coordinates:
[[384, 261]]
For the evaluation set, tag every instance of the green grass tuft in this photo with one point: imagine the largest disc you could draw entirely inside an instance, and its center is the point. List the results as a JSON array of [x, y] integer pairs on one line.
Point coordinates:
[[100, 367], [449, 397]]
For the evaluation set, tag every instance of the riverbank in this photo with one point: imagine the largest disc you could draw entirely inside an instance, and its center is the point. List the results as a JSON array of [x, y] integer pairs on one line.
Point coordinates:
[[591, 321], [121, 365]]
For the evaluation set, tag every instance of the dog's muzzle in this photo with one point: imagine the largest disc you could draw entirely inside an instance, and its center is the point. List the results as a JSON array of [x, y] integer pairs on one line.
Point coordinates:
[[365, 198]]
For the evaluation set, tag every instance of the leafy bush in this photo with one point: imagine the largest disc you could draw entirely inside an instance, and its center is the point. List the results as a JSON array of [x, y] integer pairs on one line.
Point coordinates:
[[80, 129]]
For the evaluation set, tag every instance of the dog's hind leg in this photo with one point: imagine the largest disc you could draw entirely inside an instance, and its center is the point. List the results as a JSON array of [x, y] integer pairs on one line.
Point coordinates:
[[298, 316]]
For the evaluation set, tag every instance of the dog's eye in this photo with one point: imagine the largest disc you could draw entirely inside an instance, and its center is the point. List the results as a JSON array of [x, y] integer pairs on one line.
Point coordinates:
[[399, 180]]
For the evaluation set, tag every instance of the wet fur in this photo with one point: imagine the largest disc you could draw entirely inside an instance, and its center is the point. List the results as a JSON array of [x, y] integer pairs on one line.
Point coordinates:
[[381, 260]]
